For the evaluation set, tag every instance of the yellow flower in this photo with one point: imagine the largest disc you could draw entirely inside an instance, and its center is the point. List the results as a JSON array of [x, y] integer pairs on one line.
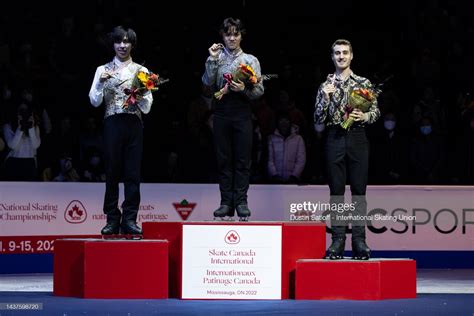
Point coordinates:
[[143, 77]]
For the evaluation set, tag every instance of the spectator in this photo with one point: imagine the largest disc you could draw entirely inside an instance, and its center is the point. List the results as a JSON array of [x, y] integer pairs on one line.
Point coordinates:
[[94, 170], [22, 135], [286, 152], [390, 154], [426, 154], [67, 172]]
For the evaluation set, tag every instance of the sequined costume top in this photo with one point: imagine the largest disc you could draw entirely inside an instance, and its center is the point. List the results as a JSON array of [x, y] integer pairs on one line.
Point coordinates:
[[112, 90], [331, 112]]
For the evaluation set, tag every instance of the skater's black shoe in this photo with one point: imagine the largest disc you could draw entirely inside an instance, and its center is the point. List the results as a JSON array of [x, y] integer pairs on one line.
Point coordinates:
[[130, 230], [224, 212], [243, 212], [360, 250], [336, 250], [111, 228], [113, 225]]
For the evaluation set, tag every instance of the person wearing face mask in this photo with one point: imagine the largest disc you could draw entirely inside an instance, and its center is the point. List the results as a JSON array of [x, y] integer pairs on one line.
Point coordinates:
[[389, 125], [347, 150], [390, 153], [67, 172], [286, 152], [427, 154], [122, 133], [232, 120], [94, 170]]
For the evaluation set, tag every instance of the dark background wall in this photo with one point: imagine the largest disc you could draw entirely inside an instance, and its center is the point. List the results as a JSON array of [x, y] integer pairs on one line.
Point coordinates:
[[54, 49]]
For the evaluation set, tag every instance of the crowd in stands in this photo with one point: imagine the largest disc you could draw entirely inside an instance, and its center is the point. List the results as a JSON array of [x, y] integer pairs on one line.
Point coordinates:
[[418, 50]]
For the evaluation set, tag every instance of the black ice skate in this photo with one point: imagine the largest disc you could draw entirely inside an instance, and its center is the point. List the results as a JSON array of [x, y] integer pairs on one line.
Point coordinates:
[[130, 230], [224, 212], [243, 212], [360, 250], [111, 230], [336, 250]]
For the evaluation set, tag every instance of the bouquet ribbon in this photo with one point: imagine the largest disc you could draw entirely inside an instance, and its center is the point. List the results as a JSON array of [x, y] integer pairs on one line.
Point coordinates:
[[228, 78], [132, 96]]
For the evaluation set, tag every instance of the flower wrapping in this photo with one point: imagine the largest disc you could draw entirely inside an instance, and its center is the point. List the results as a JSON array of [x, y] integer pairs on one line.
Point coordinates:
[[244, 73], [142, 83], [361, 99]]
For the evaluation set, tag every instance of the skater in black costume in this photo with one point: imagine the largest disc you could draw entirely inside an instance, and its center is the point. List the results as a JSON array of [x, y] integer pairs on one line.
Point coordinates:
[[345, 148], [232, 125], [123, 133]]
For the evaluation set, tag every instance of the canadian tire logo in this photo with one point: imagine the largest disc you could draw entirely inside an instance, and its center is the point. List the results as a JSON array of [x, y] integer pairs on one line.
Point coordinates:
[[75, 212], [232, 237], [184, 208]]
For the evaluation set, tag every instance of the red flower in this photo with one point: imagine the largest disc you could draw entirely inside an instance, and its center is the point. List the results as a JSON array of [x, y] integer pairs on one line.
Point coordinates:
[[150, 84]]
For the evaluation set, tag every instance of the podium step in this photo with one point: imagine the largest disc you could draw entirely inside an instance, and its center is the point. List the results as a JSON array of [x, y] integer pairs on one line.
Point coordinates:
[[347, 279], [225, 247], [98, 268]]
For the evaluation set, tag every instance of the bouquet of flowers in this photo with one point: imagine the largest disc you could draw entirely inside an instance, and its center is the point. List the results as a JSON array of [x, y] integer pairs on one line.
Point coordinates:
[[244, 73], [361, 99], [142, 82]]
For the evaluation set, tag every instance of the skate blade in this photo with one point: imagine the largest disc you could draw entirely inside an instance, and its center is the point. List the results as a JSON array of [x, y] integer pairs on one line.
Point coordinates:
[[224, 219], [111, 237], [334, 257], [133, 236], [123, 237]]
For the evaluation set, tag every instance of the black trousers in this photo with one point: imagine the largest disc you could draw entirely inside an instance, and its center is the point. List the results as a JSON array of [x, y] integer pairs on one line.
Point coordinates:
[[233, 144], [347, 154], [123, 146]]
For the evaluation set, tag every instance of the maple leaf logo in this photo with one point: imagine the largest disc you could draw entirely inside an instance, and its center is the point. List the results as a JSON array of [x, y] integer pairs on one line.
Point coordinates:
[[75, 212], [232, 237]]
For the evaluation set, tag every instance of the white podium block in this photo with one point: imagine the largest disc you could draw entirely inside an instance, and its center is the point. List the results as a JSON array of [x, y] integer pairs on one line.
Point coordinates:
[[232, 262]]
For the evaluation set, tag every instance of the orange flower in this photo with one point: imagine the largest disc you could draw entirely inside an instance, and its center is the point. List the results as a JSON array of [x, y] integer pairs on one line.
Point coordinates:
[[361, 99], [244, 73], [365, 93], [150, 84], [142, 82]]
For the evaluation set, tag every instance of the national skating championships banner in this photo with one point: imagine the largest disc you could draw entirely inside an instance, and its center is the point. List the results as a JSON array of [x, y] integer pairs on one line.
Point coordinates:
[[33, 214]]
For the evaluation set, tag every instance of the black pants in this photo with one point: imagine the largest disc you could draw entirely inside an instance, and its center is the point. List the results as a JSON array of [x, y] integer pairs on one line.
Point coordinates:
[[233, 143], [123, 145], [347, 154]]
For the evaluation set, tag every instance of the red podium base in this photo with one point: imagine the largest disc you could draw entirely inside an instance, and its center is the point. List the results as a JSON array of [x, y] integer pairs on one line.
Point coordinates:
[[97, 268], [375, 279], [299, 240]]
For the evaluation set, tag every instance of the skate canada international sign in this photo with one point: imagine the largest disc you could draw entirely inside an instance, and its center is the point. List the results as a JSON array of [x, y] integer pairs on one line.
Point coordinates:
[[231, 261]]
